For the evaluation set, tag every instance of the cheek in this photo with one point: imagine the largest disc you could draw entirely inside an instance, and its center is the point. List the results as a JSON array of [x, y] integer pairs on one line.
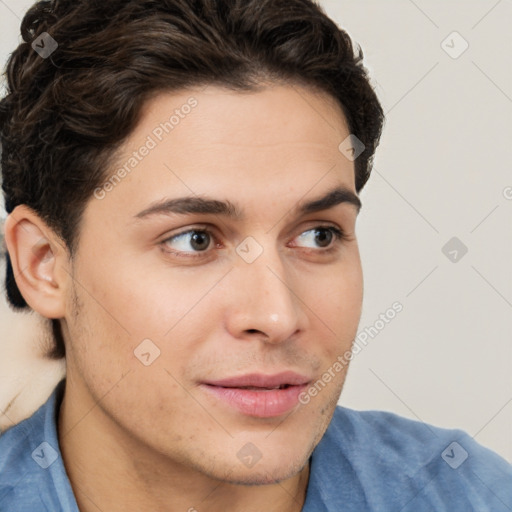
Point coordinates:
[[124, 306], [336, 294], [338, 303], [351, 286]]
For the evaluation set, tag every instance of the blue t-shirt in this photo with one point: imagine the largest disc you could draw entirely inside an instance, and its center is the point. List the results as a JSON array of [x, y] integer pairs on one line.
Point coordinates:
[[366, 461]]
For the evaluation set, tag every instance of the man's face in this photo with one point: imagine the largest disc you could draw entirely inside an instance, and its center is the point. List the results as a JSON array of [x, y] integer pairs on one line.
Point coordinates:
[[228, 307]]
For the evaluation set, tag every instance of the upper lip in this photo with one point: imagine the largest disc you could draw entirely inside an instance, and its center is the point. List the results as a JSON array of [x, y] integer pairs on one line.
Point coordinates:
[[259, 380]]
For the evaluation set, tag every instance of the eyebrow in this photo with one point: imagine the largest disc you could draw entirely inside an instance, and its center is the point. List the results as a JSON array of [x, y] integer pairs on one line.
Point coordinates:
[[206, 205]]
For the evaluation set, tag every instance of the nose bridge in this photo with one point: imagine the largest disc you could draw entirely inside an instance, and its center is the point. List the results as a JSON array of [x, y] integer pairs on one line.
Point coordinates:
[[265, 300]]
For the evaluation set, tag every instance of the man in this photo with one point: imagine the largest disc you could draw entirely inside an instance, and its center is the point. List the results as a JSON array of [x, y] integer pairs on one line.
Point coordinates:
[[182, 183]]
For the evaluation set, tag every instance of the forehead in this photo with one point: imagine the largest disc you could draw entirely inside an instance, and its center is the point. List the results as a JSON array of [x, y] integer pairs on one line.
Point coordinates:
[[272, 106], [279, 140]]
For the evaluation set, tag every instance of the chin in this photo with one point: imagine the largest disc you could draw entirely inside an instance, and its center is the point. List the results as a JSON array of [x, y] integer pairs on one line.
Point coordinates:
[[265, 474], [273, 467]]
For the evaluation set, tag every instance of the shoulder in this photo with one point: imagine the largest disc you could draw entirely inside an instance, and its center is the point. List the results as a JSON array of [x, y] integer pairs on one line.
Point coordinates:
[[28, 452], [414, 465], [388, 433], [17, 467]]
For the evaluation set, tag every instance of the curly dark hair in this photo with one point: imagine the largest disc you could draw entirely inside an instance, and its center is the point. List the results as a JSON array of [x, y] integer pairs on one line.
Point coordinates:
[[67, 113]]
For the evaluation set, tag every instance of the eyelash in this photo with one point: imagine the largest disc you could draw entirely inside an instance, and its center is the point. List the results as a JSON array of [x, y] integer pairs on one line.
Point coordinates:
[[339, 236]]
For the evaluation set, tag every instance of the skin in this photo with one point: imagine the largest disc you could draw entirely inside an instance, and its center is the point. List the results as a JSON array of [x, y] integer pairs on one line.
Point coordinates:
[[136, 437]]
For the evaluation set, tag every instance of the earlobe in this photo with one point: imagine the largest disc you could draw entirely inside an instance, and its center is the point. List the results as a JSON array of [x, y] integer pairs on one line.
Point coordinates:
[[38, 258]]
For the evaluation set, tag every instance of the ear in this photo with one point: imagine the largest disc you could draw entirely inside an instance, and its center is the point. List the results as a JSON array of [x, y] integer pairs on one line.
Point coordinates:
[[40, 262]]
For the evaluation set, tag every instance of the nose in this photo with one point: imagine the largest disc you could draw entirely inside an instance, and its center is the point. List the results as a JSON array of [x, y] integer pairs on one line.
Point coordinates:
[[264, 303]]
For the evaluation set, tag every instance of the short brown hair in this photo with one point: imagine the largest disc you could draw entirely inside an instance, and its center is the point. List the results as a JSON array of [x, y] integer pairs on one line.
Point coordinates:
[[64, 116]]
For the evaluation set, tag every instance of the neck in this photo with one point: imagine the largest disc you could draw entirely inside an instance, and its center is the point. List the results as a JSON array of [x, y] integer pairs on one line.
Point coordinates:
[[111, 470]]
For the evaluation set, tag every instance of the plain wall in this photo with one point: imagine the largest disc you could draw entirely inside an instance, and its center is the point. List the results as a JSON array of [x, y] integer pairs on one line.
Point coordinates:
[[443, 170]]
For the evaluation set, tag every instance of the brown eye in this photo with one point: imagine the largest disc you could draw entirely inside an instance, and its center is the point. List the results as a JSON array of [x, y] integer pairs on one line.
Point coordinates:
[[200, 240], [193, 240], [321, 236]]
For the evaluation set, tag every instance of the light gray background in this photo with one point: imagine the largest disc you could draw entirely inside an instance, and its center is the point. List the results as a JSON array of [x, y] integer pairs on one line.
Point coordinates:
[[443, 170]]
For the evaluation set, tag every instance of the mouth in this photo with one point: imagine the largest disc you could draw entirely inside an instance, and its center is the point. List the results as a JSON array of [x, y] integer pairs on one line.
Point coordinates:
[[259, 395], [256, 388]]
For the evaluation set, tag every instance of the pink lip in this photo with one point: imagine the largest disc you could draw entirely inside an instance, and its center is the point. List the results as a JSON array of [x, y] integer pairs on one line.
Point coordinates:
[[259, 380], [264, 402]]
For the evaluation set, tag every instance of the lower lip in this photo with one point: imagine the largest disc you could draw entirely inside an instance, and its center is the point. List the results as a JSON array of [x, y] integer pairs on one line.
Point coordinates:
[[260, 404]]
